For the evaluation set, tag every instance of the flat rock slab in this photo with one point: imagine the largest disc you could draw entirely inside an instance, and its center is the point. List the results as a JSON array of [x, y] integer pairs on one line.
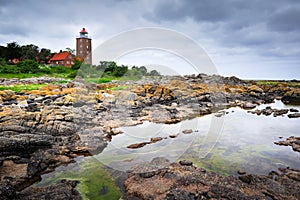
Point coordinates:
[[160, 179]]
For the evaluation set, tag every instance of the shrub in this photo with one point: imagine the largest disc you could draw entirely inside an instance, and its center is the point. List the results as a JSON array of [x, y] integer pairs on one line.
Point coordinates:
[[9, 69], [73, 74], [28, 66]]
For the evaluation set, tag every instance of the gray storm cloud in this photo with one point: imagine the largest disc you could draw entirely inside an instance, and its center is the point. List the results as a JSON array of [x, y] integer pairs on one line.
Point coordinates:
[[235, 33]]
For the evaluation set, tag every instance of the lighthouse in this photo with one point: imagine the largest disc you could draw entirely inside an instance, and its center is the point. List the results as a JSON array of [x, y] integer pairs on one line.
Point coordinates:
[[84, 46]]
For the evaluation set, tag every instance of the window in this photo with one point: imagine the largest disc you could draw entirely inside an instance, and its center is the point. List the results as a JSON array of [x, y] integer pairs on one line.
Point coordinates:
[[68, 62], [81, 46], [87, 46], [80, 51]]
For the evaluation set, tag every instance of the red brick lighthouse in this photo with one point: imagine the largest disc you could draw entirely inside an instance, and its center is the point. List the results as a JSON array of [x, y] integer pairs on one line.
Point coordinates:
[[84, 47]]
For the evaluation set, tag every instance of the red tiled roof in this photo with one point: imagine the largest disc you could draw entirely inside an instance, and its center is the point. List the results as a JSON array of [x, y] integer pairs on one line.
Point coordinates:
[[60, 56]]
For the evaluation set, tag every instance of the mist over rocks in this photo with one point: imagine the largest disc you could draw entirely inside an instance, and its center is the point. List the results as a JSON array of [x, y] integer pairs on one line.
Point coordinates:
[[42, 129]]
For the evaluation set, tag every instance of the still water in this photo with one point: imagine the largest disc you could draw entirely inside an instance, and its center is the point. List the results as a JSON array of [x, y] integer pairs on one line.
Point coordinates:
[[237, 140]]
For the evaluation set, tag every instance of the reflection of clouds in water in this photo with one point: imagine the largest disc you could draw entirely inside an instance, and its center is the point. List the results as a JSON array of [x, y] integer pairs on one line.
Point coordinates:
[[246, 139]]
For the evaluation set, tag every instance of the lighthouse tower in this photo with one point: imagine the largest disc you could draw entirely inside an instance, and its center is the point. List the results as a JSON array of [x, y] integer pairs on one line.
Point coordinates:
[[84, 46]]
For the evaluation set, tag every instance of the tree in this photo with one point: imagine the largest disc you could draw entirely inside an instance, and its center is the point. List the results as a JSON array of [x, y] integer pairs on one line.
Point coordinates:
[[2, 61], [29, 52], [143, 70], [154, 73], [110, 66], [28, 66], [120, 71], [13, 50], [77, 63], [72, 51], [44, 56]]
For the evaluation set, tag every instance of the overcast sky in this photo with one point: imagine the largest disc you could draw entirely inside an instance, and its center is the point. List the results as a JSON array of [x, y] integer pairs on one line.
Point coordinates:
[[250, 39]]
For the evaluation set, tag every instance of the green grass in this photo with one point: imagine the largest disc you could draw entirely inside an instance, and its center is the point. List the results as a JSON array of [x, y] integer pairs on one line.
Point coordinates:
[[273, 83], [122, 87], [100, 80], [20, 87], [61, 81], [20, 76]]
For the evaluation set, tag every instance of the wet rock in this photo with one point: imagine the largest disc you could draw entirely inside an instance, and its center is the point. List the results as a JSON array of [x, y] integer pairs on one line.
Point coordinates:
[[219, 115], [241, 172], [186, 162], [62, 190], [173, 135], [277, 112], [294, 115], [137, 145], [291, 99], [293, 110], [153, 140], [269, 111], [142, 144], [248, 105], [176, 181], [292, 141], [187, 131]]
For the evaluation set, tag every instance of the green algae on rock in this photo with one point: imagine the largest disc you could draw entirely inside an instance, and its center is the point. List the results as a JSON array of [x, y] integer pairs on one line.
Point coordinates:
[[95, 182]]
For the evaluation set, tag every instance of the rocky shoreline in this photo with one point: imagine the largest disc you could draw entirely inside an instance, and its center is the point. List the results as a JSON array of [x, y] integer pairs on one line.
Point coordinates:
[[45, 128], [160, 179]]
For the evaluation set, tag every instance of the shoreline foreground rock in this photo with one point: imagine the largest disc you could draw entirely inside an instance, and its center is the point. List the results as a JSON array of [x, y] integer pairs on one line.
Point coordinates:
[[160, 179], [45, 128]]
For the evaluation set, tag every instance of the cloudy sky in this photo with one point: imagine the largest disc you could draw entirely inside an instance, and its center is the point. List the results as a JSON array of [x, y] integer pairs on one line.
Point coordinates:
[[249, 39]]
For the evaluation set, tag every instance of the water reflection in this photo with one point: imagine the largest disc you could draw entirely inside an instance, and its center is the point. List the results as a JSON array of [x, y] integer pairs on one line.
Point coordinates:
[[245, 142]]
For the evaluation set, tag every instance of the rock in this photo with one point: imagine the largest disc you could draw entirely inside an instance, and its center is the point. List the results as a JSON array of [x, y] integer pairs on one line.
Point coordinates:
[[174, 104], [153, 140], [294, 115], [248, 105], [23, 104], [291, 99], [123, 95], [107, 98], [186, 162], [137, 145], [293, 110], [292, 141], [280, 112], [187, 131], [7, 190], [62, 190], [255, 88], [142, 144], [173, 135], [241, 172], [177, 181]]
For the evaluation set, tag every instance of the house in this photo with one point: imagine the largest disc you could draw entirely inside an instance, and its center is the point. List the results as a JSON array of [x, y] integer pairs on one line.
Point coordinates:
[[62, 59], [14, 61]]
